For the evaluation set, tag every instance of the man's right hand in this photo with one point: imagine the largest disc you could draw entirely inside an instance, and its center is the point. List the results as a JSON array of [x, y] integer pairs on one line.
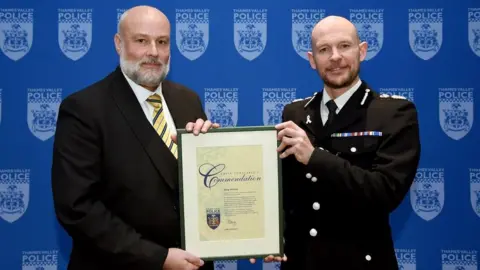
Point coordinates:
[[178, 259]]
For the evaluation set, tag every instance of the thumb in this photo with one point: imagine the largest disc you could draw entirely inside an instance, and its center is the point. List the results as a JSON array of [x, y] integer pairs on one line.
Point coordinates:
[[252, 261], [193, 259], [174, 138]]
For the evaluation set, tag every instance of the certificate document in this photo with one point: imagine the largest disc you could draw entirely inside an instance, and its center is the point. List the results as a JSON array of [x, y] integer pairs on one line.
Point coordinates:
[[230, 185]]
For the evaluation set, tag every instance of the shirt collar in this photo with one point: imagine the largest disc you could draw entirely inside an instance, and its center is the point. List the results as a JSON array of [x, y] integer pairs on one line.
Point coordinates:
[[141, 92], [342, 99]]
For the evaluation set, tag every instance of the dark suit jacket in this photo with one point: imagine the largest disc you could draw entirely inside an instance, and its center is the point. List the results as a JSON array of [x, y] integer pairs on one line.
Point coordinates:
[[337, 207], [114, 181]]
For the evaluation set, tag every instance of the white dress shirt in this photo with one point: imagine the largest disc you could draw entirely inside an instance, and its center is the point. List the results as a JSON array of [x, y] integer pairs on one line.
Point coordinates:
[[340, 101], [143, 94]]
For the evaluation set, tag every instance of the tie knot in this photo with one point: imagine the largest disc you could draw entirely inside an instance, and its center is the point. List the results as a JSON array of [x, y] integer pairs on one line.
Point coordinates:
[[155, 100], [332, 106]]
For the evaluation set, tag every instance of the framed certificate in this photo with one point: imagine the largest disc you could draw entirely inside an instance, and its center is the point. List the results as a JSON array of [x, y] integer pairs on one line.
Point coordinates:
[[231, 193]]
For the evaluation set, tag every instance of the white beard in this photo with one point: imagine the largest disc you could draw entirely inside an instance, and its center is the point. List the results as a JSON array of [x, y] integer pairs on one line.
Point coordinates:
[[148, 78]]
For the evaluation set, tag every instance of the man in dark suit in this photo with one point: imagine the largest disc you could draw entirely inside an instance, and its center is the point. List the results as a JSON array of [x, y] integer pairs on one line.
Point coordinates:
[[114, 172], [350, 156]]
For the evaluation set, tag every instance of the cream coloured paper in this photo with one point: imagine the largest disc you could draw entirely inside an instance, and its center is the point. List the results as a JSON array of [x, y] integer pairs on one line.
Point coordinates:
[[230, 194]]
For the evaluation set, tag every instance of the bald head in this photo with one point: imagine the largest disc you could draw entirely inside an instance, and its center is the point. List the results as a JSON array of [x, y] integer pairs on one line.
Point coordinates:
[[334, 25], [143, 44], [140, 15]]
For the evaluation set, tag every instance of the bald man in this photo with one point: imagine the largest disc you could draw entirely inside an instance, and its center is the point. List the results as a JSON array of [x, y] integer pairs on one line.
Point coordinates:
[[114, 172], [349, 158]]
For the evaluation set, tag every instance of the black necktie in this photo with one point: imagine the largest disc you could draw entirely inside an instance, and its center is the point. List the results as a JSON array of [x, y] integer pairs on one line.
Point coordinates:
[[332, 108]]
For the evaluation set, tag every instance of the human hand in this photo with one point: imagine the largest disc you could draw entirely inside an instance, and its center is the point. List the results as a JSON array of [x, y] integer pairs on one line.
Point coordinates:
[[293, 136], [178, 259], [271, 258], [197, 127]]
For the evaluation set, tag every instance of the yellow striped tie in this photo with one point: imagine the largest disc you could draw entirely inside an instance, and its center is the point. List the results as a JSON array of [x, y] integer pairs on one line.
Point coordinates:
[[160, 123]]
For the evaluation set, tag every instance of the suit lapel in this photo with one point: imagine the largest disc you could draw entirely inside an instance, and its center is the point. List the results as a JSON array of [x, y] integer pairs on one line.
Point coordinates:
[[312, 120], [159, 154], [350, 113]]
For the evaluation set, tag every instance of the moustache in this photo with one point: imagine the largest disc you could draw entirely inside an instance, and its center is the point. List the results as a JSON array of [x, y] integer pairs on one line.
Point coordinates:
[[152, 61]]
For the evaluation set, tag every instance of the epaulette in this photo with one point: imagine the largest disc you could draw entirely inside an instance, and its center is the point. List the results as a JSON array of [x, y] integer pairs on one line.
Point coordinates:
[[392, 96]]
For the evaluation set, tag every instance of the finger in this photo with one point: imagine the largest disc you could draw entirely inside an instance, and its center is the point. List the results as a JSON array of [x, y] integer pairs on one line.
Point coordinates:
[[252, 261], [193, 259], [215, 125], [269, 258], [282, 147], [288, 132], [198, 126], [206, 126], [284, 258], [189, 126], [287, 142], [174, 138], [288, 124], [288, 152]]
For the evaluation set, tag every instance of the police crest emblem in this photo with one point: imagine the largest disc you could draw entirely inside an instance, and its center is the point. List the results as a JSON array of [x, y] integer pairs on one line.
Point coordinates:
[[14, 194], [192, 32], [213, 217], [425, 32], [75, 33], [474, 30], [456, 111], [427, 194], [43, 106], [16, 32], [250, 32]]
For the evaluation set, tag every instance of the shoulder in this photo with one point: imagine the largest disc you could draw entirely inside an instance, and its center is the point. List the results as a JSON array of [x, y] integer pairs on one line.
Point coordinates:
[[299, 103], [391, 108], [88, 97], [390, 102], [180, 89]]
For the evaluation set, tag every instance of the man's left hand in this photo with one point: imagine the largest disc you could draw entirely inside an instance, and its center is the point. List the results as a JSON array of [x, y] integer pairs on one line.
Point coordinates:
[[200, 126], [297, 141]]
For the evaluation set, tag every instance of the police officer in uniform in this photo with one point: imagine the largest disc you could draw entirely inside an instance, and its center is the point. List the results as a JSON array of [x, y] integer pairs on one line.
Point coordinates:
[[350, 156]]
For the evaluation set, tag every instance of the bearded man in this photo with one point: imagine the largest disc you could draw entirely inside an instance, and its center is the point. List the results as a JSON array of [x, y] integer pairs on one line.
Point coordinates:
[[114, 171]]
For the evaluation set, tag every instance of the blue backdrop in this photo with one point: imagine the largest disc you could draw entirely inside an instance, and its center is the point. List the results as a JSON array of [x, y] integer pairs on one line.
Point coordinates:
[[246, 59]]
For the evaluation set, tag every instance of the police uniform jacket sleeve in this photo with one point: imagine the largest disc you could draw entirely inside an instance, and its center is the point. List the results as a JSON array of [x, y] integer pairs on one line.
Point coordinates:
[[383, 186], [76, 180]]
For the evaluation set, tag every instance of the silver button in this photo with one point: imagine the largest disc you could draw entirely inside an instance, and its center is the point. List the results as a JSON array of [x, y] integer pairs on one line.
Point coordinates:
[[314, 179], [353, 149], [313, 232], [316, 205], [368, 257], [309, 175]]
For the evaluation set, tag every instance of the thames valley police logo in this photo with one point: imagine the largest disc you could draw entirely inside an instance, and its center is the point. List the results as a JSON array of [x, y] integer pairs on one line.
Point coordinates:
[[427, 193], [274, 99], [226, 265], [213, 217], [192, 33], [40, 260], [475, 190], [221, 105], [43, 105], [459, 260], [406, 259], [16, 32], [370, 29], [75, 32], [425, 32], [14, 193], [303, 21], [456, 111], [474, 30], [250, 32]]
